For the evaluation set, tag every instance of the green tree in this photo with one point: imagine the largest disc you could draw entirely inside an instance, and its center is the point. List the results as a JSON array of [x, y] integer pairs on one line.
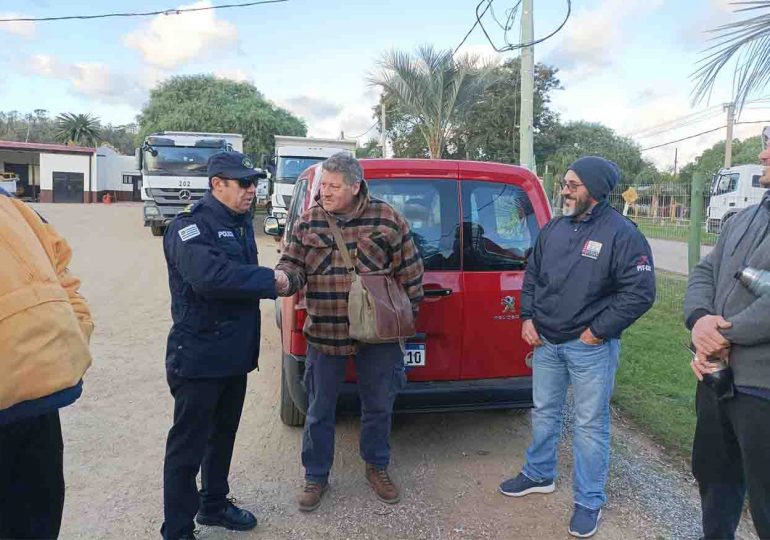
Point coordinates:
[[369, 150], [208, 104], [433, 90], [575, 139], [491, 129], [81, 129], [711, 160], [121, 138]]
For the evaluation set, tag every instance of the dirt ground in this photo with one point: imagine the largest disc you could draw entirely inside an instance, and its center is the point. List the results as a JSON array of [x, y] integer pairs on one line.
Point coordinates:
[[449, 465]]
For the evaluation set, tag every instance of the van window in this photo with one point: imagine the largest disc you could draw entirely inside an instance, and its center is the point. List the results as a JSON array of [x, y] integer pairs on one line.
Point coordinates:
[[430, 207], [499, 226], [755, 180]]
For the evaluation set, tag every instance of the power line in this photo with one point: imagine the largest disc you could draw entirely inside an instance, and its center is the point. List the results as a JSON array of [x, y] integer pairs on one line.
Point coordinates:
[[141, 14], [702, 133], [365, 132], [472, 29], [512, 47]]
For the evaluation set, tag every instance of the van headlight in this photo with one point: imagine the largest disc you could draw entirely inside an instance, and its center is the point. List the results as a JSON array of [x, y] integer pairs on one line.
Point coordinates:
[[151, 211]]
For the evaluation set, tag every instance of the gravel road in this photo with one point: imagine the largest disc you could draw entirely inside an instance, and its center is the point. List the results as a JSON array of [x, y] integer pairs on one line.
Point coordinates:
[[449, 465]]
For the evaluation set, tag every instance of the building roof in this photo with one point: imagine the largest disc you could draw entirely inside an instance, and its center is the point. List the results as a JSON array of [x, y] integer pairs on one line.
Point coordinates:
[[45, 148]]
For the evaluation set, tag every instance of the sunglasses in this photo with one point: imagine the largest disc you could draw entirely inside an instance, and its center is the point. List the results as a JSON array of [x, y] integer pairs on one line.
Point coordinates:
[[244, 183]]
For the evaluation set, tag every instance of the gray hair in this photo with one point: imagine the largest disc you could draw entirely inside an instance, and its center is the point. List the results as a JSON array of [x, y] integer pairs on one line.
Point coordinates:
[[343, 162]]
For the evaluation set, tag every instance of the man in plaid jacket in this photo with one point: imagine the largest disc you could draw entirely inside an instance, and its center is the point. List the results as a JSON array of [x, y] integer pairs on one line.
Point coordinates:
[[378, 238]]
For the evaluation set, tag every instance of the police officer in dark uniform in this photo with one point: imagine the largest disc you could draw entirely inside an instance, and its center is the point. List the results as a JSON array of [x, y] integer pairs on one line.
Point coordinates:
[[216, 285]]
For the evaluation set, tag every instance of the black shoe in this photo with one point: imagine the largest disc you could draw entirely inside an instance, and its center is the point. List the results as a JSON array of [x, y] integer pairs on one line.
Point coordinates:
[[230, 517]]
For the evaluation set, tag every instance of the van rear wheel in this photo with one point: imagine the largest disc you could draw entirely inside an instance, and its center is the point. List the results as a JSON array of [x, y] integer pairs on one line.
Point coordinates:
[[290, 414]]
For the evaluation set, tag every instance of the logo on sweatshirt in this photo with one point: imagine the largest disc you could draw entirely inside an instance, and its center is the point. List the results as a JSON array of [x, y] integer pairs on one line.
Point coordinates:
[[643, 264], [225, 234], [591, 249]]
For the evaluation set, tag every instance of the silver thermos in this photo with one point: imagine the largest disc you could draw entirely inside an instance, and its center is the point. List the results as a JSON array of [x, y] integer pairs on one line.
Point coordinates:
[[757, 281]]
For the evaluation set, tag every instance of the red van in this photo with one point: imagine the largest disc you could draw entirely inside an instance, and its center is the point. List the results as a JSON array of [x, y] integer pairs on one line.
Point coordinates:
[[475, 224]]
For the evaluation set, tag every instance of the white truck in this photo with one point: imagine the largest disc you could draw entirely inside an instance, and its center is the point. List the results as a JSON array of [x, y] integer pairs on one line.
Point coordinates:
[[732, 190], [292, 156], [173, 166]]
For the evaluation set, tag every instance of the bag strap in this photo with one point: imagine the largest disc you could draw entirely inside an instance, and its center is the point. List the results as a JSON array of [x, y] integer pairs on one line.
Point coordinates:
[[341, 244]]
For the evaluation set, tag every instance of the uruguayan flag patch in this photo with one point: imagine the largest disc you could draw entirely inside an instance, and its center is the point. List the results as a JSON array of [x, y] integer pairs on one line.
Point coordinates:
[[191, 231]]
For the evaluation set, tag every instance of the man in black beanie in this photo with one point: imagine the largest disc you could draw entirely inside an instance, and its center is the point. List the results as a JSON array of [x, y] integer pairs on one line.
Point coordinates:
[[589, 277]]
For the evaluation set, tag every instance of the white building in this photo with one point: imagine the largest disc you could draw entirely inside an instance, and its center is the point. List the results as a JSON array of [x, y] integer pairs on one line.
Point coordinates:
[[59, 173], [115, 174], [51, 172]]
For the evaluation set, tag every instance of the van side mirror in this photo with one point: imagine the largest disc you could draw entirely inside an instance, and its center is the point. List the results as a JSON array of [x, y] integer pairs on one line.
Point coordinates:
[[272, 227]]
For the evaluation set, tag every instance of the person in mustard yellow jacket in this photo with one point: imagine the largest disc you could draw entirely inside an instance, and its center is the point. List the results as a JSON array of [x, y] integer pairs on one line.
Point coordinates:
[[45, 327]]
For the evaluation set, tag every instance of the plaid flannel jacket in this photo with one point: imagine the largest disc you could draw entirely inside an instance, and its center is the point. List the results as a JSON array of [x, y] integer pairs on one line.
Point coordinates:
[[378, 239]]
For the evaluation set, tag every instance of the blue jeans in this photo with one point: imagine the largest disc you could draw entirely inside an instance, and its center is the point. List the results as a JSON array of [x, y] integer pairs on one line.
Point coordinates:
[[591, 371], [380, 370]]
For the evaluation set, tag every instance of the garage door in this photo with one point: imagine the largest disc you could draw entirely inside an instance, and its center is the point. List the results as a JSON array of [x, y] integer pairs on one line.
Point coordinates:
[[67, 187]]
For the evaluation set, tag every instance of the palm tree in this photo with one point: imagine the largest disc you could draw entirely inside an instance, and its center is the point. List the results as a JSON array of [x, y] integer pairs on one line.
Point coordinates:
[[82, 129], [748, 41], [433, 88]]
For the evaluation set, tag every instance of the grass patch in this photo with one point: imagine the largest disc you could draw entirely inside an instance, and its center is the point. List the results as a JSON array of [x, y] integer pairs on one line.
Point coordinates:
[[665, 229], [655, 386]]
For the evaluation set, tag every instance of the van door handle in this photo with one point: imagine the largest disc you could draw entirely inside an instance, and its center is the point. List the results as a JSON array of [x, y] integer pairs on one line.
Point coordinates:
[[437, 292]]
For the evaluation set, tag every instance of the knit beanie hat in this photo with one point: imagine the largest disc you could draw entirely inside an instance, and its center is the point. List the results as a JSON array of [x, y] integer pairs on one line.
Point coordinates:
[[599, 175]]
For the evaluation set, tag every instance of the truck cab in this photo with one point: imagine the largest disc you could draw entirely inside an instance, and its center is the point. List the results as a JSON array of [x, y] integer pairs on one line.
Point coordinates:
[[174, 171], [292, 156], [732, 189]]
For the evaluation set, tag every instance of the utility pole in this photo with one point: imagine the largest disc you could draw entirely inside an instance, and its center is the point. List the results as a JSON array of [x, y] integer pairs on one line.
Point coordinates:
[[526, 151], [730, 108], [383, 135], [676, 155]]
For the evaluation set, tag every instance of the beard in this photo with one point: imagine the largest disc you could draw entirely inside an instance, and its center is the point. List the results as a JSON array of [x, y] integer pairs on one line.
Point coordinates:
[[579, 206]]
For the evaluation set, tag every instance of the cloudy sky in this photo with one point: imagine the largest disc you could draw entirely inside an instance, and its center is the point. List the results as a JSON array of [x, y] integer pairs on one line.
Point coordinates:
[[625, 63]]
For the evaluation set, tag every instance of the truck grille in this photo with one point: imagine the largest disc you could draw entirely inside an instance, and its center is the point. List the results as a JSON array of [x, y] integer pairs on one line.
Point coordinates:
[[173, 196]]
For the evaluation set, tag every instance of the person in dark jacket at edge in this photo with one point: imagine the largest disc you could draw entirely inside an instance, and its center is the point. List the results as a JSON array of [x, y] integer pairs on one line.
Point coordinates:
[[45, 329], [732, 433], [589, 277], [216, 285]]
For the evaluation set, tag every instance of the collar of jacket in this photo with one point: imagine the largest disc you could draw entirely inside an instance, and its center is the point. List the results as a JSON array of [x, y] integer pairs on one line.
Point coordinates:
[[222, 211], [361, 204], [594, 212], [765, 203]]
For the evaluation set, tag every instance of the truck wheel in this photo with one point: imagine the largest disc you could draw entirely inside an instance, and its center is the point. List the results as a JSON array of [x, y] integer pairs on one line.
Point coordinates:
[[290, 414], [157, 230]]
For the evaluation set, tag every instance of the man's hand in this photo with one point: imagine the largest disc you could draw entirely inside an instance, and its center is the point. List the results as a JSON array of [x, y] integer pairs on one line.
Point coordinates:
[[281, 282], [529, 334], [589, 338], [701, 365], [706, 336]]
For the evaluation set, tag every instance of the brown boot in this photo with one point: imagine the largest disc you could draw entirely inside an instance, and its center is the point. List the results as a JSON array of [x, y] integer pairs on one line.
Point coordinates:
[[310, 497], [382, 485]]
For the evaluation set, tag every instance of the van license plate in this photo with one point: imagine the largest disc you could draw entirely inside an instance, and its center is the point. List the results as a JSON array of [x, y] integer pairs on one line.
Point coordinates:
[[415, 355]]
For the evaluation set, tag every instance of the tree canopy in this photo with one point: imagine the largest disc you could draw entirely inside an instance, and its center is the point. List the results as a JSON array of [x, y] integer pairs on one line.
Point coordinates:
[[209, 104]]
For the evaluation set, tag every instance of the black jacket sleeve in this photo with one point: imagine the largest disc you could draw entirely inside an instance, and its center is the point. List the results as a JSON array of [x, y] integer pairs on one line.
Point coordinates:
[[191, 248]]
